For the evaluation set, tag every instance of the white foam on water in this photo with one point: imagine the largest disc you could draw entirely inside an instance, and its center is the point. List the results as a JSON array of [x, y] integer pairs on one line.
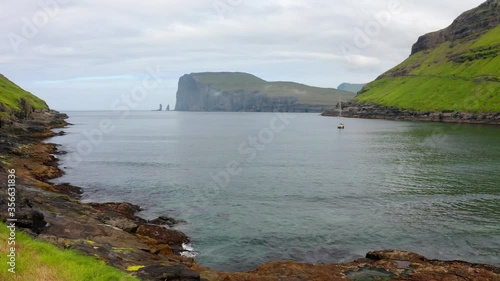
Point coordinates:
[[188, 251]]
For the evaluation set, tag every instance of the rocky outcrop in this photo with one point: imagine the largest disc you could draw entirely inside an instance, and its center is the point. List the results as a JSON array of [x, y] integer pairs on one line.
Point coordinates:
[[378, 265], [29, 217], [163, 235], [114, 234], [250, 94], [470, 23], [372, 111], [164, 220]]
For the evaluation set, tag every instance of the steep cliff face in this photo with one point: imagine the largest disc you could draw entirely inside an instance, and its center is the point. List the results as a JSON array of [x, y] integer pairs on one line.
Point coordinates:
[[471, 23], [456, 69], [225, 91]]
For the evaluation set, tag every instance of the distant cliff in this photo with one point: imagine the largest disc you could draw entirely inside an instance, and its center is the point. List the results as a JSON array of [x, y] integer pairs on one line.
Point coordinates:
[[235, 91]]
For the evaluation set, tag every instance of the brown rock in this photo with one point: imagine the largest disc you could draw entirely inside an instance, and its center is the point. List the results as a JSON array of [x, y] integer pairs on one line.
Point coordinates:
[[163, 235]]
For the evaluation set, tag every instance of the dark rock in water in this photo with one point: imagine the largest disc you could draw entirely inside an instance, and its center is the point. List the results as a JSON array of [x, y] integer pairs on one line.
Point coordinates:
[[164, 220], [163, 235], [160, 272]]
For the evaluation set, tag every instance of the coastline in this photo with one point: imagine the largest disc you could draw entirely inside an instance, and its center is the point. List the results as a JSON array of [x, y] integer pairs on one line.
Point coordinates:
[[353, 109], [150, 250]]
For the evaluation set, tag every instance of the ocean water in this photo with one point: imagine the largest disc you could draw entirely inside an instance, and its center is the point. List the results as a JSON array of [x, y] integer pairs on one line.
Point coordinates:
[[260, 187]]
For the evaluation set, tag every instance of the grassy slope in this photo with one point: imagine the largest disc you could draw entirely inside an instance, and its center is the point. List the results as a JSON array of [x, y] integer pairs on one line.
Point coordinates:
[[436, 83], [11, 94], [42, 261], [243, 81]]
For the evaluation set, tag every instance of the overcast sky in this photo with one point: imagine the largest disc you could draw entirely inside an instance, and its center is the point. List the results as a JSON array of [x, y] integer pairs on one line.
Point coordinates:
[[87, 54]]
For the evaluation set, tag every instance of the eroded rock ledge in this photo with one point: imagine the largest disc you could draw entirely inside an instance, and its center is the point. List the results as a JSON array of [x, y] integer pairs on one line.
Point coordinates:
[[150, 249]]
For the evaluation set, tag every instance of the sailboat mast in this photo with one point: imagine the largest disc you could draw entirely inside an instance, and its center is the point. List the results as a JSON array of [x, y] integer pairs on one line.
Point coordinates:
[[340, 105]]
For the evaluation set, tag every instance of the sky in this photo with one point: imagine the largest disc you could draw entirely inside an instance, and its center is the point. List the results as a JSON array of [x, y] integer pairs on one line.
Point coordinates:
[[94, 54]]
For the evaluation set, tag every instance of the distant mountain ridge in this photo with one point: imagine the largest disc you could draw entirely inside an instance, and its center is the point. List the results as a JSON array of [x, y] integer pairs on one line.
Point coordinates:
[[237, 91], [16, 101], [354, 88], [456, 69]]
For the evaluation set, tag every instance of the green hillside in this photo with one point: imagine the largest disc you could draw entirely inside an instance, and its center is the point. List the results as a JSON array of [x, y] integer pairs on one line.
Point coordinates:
[[237, 81], [461, 74], [11, 96]]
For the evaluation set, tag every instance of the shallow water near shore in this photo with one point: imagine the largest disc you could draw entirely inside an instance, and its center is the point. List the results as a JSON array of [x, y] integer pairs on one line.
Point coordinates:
[[260, 187]]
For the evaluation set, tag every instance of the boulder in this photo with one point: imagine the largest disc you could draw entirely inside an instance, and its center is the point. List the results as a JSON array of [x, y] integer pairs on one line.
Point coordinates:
[[163, 235], [164, 220]]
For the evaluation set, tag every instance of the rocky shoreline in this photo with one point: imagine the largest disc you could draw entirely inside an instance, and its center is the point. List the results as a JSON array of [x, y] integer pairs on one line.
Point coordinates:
[[113, 233], [353, 109]]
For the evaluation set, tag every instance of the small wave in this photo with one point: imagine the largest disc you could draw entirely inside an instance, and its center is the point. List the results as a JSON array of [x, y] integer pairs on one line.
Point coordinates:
[[188, 251]]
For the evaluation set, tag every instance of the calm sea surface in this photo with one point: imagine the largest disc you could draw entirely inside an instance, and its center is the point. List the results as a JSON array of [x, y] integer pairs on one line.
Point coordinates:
[[259, 187]]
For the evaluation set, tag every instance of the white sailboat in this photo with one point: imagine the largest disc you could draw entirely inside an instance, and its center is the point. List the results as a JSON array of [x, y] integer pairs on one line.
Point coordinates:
[[340, 125]]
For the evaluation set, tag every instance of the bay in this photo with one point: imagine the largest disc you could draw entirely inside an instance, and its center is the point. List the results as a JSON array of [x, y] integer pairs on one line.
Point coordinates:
[[260, 187]]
